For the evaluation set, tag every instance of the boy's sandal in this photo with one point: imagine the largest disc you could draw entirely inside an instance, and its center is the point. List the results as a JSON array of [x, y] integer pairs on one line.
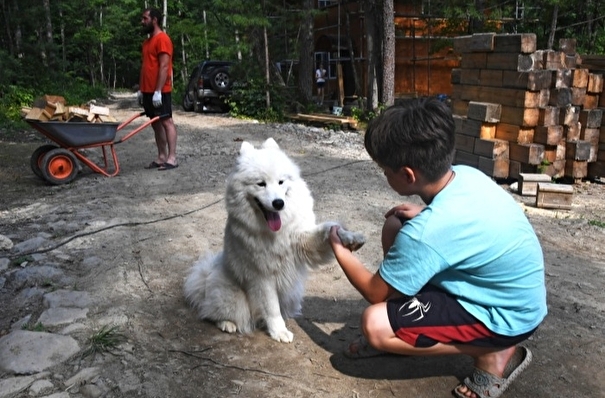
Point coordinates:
[[486, 385], [360, 348]]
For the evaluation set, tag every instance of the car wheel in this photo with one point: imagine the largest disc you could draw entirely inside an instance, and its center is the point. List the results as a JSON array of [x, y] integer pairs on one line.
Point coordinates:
[[188, 101], [220, 80]]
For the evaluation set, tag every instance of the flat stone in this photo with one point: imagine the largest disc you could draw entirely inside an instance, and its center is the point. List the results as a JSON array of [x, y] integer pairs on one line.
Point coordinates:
[[25, 352], [67, 298], [61, 316]]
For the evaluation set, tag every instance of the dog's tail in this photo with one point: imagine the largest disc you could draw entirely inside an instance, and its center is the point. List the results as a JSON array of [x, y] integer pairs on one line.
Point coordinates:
[[196, 282]]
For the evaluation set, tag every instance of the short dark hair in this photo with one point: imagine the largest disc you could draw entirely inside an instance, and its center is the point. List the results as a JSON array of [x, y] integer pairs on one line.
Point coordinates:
[[155, 13], [418, 133]]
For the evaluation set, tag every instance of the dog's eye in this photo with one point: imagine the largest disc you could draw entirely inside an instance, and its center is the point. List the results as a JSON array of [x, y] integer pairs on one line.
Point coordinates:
[[261, 184]]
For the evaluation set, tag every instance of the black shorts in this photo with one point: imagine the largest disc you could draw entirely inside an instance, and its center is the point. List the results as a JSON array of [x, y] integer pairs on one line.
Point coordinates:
[[434, 316], [320, 84], [163, 111]]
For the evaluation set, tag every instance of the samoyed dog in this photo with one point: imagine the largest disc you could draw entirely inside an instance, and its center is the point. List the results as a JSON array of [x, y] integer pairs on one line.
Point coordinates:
[[271, 240]]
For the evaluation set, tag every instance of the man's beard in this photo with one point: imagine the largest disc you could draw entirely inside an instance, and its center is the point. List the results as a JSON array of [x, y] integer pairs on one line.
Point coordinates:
[[147, 29]]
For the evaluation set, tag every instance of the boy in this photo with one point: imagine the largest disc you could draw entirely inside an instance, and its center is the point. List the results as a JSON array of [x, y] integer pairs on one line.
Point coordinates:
[[463, 274]]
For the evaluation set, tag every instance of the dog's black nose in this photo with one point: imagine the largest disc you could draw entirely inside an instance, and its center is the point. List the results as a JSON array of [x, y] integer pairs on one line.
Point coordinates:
[[278, 204]]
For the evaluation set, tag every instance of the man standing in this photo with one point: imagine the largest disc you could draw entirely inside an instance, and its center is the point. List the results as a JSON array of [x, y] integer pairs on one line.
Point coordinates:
[[155, 87]]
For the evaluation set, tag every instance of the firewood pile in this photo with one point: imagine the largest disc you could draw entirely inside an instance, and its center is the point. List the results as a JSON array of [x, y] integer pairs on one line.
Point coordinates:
[[54, 108], [521, 110]]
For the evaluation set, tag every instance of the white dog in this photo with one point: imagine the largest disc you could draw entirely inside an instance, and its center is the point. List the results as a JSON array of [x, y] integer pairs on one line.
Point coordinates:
[[271, 239]]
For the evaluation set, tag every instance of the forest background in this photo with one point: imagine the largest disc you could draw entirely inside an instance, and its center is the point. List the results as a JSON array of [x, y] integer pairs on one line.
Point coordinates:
[[82, 49]]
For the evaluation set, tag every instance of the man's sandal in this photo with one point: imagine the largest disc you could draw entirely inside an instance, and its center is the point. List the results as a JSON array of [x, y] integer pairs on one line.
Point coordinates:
[[486, 385], [360, 348]]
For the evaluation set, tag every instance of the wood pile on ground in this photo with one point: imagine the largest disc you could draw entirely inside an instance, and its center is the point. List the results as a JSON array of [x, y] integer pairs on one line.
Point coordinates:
[[521, 110], [53, 108]]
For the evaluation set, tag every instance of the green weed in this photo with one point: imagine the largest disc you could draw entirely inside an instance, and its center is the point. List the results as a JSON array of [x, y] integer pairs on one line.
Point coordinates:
[[107, 339]]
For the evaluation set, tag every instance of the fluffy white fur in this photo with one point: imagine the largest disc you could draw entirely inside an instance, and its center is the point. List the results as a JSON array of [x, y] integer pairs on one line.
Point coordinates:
[[271, 239]]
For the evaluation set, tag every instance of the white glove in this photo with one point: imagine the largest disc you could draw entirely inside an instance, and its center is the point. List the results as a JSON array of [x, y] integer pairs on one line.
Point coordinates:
[[157, 99], [140, 97]]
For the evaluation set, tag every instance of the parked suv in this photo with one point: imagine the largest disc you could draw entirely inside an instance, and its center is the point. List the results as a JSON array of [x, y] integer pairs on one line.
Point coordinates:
[[208, 88]]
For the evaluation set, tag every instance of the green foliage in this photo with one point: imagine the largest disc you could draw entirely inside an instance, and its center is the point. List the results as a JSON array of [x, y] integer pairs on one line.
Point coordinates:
[[107, 339], [12, 100], [597, 223], [250, 101], [38, 327]]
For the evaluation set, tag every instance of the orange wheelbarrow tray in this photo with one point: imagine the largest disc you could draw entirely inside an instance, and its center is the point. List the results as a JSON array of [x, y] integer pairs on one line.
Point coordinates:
[[58, 164]]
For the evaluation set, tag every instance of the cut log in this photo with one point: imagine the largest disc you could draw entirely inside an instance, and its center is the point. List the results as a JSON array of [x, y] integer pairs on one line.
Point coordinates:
[[554, 196]]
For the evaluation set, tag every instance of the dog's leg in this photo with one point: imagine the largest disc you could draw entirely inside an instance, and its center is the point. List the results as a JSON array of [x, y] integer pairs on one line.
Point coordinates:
[[264, 295], [315, 244]]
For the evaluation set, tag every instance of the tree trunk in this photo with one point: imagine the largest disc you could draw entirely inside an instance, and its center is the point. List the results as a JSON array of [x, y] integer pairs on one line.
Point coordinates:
[[388, 54], [306, 58], [553, 27], [267, 69], [358, 89], [371, 37]]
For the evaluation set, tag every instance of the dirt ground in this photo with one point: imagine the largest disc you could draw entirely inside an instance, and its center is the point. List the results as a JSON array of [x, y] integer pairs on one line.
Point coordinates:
[[133, 238]]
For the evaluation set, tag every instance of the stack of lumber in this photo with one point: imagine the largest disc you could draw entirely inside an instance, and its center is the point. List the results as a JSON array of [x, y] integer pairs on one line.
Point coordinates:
[[54, 108], [523, 110]]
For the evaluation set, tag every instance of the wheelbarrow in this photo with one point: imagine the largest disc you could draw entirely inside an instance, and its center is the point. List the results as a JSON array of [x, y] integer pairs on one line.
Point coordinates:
[[58, 164]]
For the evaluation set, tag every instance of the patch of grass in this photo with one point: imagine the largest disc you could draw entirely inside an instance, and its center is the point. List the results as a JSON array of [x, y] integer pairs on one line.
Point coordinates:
[[38, 327], [107, 339], [597, 223]]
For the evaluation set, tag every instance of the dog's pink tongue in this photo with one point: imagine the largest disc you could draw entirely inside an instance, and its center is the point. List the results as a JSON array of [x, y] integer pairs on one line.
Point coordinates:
[[273, 221]]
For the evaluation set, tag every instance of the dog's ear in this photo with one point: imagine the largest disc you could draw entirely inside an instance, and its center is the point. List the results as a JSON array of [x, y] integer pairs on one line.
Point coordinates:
[[270, 143], [246, 147]]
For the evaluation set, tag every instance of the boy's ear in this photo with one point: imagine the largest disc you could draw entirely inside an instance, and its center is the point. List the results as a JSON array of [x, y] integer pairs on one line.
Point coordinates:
[[408, 174]]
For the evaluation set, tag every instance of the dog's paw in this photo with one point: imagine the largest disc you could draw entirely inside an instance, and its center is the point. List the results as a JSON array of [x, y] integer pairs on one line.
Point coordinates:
[[227, 326], [351, 240], [283, 336]]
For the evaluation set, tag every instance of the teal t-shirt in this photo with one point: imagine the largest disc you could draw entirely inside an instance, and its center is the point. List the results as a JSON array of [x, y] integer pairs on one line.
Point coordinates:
[[475, 242]]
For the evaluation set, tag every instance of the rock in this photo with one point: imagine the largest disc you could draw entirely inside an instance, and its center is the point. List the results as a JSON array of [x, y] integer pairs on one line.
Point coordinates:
[[25, 352]]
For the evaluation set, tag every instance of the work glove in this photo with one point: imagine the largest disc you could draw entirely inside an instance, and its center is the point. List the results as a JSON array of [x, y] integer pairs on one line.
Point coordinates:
[[157, 99], [140, 97]]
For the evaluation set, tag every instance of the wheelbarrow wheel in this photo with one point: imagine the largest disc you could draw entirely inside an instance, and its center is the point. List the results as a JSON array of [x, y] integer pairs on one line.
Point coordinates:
[[59, 166], [36, 159]]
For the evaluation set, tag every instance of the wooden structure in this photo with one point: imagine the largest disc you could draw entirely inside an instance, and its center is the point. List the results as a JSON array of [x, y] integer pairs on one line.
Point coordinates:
[[519, 109], [340, 40]]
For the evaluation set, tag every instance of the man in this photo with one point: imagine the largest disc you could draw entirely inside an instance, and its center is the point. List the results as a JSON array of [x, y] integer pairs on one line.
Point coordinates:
[[155, 87]]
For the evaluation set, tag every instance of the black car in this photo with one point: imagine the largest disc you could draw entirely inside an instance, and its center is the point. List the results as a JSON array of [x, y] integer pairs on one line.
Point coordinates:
[[208, 88]]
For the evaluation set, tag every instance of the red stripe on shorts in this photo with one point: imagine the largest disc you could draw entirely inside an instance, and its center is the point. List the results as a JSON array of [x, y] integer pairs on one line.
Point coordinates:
[[445, 334]]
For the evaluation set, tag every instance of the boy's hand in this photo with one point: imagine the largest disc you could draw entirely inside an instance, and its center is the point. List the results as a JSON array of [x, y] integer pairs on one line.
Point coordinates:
[[405, 210]]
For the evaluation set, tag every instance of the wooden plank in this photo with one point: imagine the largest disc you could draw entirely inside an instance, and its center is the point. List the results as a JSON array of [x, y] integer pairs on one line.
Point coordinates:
[[576, 169], [554, 196], [514, 133], [555, 169], [596, 169], [472, 127], [577, 150], [533, 80], [554, 59], [469, 159], [515, 168], [548, 135], [465, 143], [562, 78], [491, 149], [514, 61], [504, 96], [484, 111], [590, 118], [595, 83], [526, 153], [478, 42], [526, 117], [455, 76], [568, 46], [569, 115], [470, 76], [496, 168], [573, 132], [98, 110], [488, 131], [528, 183], [524, 43], [591, 101], [473, 60], [549, 115], [491, 77], [561, 96], [580, 78]]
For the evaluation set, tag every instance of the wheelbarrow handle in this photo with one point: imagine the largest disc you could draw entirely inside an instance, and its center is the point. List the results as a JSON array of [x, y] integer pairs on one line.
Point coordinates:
[[138, 129]]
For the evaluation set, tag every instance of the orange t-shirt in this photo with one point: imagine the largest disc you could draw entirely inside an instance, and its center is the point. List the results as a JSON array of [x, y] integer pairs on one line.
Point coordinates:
[[150, 67]]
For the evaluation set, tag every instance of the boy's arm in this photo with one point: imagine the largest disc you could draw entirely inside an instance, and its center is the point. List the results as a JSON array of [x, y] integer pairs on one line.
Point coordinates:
[[405, 210], [371, 286]]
